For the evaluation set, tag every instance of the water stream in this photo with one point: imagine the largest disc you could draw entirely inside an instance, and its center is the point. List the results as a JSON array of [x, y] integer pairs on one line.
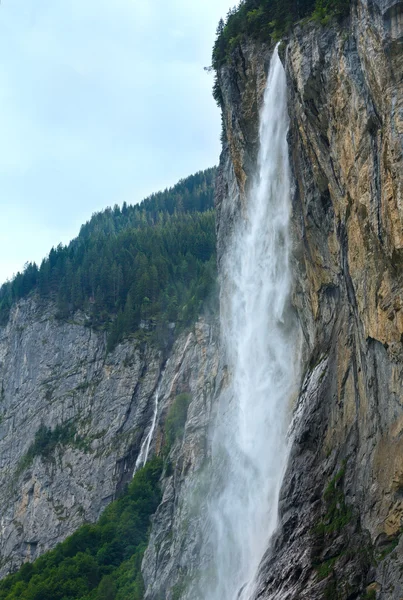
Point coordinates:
[[146, 444], [250, 446]]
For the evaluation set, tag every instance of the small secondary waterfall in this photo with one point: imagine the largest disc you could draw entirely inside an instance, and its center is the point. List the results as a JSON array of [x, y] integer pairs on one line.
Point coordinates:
[[250, 446], [145, 446]]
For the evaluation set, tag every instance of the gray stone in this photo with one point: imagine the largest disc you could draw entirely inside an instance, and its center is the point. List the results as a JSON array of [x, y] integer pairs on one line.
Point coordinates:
[[54, 373]]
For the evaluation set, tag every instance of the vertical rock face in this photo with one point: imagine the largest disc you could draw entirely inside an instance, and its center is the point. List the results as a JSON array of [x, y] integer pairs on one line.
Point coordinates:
[[342, 499], [58, 375], [341, 508], [173, 554]]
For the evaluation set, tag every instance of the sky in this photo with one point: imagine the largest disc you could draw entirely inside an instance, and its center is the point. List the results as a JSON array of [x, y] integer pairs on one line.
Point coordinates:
[[101, 102]]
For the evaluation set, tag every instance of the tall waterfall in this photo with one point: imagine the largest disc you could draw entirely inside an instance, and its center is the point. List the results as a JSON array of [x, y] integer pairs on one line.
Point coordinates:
[[250, 441]]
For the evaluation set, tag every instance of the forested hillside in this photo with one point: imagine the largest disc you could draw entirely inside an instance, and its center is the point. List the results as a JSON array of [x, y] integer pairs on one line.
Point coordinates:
[[144, 266], [98, 562]]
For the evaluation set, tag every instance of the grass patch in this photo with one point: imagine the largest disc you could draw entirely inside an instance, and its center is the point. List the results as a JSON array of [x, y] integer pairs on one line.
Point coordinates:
[[326, 568], [338, 514], [47, 440]]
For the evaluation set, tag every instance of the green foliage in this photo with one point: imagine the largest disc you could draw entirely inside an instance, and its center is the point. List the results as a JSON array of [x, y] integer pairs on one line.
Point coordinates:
[[98, 562], [326, 10], [176, 419], [370, 595], [340, 530], [326, 568], [132, 268], [338, 515], [268, 20], [107, 589], [45, 442]]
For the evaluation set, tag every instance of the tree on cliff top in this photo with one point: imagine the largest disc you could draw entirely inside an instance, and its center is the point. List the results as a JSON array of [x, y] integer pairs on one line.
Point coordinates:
[[268, 20]]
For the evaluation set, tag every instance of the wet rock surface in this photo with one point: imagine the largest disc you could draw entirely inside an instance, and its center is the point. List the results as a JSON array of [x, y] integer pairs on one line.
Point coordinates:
[[341, 503]]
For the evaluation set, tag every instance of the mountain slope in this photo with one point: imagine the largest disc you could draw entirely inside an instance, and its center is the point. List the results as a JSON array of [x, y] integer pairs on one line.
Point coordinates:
[[75, 409], [152, 263], [340, 513]]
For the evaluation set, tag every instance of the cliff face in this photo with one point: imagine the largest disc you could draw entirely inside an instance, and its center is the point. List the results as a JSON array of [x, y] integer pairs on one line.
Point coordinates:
[[57, 374], [342, 499], [341, 508]]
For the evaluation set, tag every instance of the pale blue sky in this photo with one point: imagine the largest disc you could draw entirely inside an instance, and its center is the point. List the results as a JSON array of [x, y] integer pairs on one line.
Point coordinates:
[[100, 102]]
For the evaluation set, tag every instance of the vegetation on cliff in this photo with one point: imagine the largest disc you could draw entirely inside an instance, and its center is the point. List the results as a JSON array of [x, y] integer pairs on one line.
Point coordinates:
[[268, 19], [176, 419], [98, 562], [143, 265]]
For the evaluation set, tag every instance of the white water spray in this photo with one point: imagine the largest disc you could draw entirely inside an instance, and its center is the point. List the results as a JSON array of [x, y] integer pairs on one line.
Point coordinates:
[[250, 441]]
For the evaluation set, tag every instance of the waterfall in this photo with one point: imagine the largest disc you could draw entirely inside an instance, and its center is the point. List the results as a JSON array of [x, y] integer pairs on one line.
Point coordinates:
[[145, 446], [250, 449]]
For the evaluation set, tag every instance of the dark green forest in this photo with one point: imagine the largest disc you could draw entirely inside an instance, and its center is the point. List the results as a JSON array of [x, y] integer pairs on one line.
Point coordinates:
[[98, 562], [141, 266], [269, 19]]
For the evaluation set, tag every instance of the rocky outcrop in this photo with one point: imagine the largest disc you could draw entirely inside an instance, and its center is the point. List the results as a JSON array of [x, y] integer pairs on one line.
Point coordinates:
[[56, 376], [342, 499], [173, 557]]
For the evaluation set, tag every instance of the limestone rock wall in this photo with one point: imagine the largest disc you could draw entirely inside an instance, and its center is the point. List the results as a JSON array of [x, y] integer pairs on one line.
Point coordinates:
[[341, 508], [58, 374]]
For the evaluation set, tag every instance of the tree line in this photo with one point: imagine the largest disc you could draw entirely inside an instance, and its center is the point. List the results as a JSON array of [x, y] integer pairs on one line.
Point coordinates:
[[142, 266]]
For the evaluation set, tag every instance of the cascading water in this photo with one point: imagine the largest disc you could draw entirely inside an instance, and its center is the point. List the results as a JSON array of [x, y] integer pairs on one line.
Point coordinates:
[[250, 447], [145, 446]]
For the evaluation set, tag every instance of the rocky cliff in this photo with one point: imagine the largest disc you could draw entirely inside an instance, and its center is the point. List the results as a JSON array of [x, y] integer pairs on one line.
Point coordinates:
[[57, 377], [341, 508], [342, 500]]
